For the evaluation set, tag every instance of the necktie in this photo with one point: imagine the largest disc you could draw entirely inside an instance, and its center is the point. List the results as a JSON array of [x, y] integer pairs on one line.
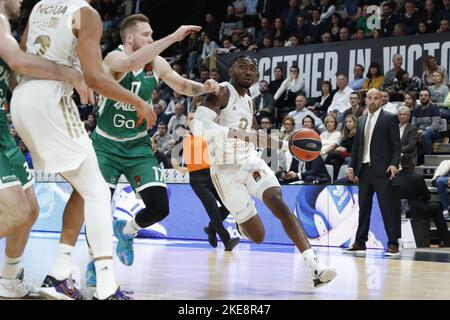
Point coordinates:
[[367, 135]]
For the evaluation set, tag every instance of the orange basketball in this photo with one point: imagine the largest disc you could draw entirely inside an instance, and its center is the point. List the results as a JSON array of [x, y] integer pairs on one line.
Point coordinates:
[[305, 145]]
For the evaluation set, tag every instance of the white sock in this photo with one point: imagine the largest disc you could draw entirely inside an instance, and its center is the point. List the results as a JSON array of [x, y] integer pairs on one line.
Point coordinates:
[[11, 267], [131, 228], [309, 256], [61, 268], [106, 281]]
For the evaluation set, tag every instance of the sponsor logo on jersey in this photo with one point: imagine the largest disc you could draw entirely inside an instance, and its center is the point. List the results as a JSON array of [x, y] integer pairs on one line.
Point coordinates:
[[51, 9], [256, 176]]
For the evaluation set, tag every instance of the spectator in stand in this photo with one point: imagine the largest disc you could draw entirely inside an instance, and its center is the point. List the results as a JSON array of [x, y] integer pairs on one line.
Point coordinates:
[[161, 117], [251, 14], [341, 101], [410, 100], [279, 29], [427, 119], [168, 152], [399, 30], [274, 85], [267, 42], [430, 65], [390, 19], [377, 33], [331, 138], [344, 34], [422, 28], [441, 181], [326, 37], [267, 9], [386, 104], [410, 18], [194, 49], [354, 12], [211, 27], [302, 29], [342, 154], [408, 133], [90, 124], [265, 30], [362, 20], [239, 7], [444, 13], [335, 26], [438, 90], [430, 16], [264, 103], [231, 23], [301, 111], [404, 83], [288, 91], [215, 75], [359, 34], [293, 41], [315, 28], [178, 98], [327, 9], [356, 109], [374, 78], [323, 102], [288, 128], [289, 16], [208, 47], [443, 26], [156, 99], [161, 137], [179, 132], [358, 78], [177, 118], [204, 75], [306, 8], [445, 108]]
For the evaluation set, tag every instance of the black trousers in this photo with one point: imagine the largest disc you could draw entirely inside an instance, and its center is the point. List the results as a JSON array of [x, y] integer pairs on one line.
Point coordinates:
[[426, 210], [368, 185], [203, 187]]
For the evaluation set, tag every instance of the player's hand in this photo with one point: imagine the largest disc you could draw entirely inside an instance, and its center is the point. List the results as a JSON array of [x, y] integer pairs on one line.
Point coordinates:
[[146, 112], [183, 31], [393, 170], [211, 86], [86, 94]]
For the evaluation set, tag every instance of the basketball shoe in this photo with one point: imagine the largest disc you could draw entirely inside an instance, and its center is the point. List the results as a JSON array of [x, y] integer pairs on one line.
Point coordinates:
[[321, 274], [124, 249], [118, 295], [66, 289], [15, 288], [91, 276]]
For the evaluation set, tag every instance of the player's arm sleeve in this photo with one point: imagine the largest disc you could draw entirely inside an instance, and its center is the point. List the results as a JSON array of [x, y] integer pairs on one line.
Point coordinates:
[[204, 125]]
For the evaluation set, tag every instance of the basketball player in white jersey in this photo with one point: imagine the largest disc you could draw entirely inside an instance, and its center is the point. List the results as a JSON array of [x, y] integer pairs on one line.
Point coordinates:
[[68, 33], [238, 173], [18, 203]]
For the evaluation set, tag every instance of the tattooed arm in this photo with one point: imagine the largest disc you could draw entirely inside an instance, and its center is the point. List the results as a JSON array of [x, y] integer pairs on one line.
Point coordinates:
[[178, 83]]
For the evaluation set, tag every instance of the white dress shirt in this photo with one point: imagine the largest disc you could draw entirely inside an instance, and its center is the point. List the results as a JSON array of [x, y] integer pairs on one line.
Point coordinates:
[[341, 101], [366, 157]]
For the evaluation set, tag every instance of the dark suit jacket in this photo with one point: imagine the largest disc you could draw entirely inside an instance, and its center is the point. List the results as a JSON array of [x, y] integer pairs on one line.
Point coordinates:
[[384, 147], [409, 140], [411, 186]]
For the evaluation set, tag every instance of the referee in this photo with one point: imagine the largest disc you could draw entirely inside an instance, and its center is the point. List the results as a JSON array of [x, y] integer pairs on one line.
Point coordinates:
[[200, 180]]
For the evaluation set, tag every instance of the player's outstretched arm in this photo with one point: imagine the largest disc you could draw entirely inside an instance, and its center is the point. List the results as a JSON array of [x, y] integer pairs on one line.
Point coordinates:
[[96, 77], [182, 85], [32, 65], [120, 62]]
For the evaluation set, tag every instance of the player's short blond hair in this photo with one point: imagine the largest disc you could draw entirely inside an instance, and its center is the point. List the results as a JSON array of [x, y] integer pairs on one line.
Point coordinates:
[[130, 22]]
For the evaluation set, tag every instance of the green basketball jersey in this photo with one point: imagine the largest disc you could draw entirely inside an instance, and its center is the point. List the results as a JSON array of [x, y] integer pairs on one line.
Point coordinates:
[[4, 88], [120, 120]]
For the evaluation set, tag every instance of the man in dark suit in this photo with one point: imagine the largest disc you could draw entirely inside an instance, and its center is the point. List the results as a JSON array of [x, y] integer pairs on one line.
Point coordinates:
[[375, 159], [412, 187], [408, 133]]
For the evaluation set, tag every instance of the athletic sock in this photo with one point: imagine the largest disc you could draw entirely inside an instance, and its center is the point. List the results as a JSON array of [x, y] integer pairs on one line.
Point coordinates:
[[11, 267], [106, 283], [61, 268], [309, 256], [131, 228]]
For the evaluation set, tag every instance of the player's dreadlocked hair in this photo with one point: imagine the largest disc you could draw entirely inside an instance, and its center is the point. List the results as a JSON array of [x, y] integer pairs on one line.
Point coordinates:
[[244, 57]]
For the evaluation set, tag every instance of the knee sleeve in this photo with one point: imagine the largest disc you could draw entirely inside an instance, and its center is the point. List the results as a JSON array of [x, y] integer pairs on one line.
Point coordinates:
[[156, 206]]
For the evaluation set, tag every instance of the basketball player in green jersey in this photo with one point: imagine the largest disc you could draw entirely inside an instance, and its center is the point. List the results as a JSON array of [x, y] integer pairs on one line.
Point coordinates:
[[18, 204], [120, 140]]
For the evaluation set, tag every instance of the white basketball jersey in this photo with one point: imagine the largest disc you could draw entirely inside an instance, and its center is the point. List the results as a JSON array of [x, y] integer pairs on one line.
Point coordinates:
[[50, 32], [238, 114]]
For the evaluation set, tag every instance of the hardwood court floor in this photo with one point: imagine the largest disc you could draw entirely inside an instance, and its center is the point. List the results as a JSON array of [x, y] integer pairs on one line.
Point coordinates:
[[192, 270]]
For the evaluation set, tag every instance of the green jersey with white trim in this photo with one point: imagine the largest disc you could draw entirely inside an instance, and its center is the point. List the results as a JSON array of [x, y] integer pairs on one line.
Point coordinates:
[[120, 120]]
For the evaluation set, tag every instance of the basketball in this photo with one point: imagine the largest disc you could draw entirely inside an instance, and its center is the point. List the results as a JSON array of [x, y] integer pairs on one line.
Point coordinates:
[[305, 145]]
